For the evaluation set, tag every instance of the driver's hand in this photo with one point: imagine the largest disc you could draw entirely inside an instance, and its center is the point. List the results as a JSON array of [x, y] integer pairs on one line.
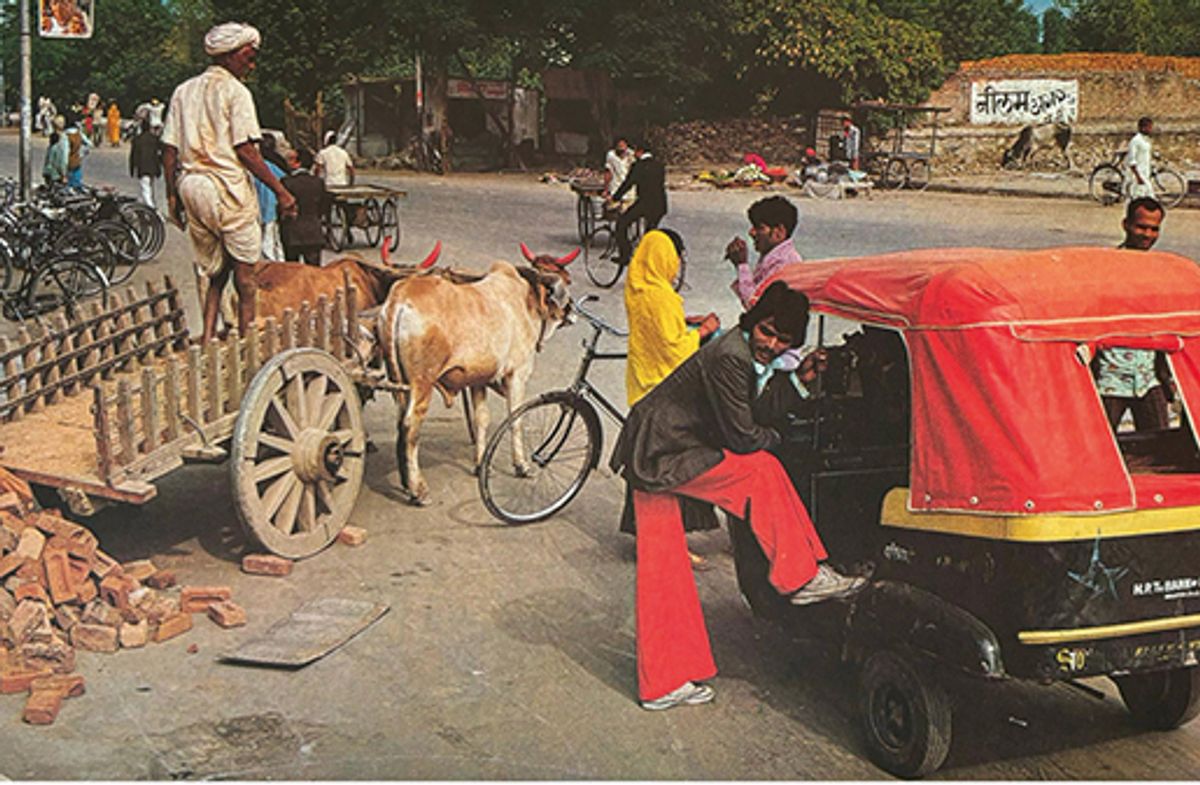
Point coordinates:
[[815, 362], [735, 252], [174, 211], [709, 325]]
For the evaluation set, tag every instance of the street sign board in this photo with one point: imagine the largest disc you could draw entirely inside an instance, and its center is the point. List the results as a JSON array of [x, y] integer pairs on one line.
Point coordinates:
[[66, 18]]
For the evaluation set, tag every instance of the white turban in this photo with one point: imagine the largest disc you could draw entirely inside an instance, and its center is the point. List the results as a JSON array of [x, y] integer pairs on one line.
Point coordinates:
[[230, 37]]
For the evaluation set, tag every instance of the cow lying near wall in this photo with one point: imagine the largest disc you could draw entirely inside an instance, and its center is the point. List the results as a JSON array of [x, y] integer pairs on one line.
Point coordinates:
[[439, 335], [1034, 138]]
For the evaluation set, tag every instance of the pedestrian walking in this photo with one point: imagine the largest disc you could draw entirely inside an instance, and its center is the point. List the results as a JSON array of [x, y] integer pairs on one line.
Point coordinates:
[[114, 124], [1138, 159], [210, 152], [145, 161], [54, 168], [333, 164], [78, 146]]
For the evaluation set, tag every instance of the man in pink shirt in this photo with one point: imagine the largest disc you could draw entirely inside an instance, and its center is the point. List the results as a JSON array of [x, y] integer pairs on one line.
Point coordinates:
[[772, 221]]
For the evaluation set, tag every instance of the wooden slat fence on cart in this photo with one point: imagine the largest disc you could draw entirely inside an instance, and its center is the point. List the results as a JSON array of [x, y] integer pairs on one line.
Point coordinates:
[[156, 397]]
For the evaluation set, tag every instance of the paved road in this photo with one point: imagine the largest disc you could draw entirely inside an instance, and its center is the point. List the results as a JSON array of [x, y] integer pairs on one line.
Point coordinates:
[[509, 652]]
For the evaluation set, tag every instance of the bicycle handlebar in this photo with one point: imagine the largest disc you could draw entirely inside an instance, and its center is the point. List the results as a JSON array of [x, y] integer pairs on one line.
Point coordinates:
[[596, 321]]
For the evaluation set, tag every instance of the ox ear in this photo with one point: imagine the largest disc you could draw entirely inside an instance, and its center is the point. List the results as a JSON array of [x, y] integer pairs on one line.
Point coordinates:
[[431, 260], [563, 261], [529, 255]]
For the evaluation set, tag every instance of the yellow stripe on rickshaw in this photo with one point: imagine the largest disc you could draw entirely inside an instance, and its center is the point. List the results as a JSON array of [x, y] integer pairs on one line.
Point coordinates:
[[1047, 527], [1049, 637]]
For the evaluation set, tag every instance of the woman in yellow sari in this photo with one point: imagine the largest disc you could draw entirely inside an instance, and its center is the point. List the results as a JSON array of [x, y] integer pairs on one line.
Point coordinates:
[[114, 124], [661, 337]]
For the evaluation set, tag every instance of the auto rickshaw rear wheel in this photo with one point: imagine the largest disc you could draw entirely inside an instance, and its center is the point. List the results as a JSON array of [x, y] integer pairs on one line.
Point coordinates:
[[906, 716], [1161, 700]]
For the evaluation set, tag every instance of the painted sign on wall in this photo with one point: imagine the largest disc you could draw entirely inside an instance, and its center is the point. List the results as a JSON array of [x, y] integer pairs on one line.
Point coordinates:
[[1022, 101]]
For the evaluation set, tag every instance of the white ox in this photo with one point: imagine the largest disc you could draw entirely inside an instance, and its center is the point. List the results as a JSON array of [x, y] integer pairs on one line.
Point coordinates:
[[451, 337]]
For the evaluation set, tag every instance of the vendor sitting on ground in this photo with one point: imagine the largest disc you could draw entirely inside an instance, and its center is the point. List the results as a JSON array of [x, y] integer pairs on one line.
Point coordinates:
[[694, 435]]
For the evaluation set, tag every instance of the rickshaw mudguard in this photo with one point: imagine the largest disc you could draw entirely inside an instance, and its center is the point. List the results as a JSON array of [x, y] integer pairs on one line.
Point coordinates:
[[895, 615]]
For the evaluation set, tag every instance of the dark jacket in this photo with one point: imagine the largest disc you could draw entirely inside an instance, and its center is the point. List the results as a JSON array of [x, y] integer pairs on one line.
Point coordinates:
[[679, 429], [650, 177], [145, 155], [304, 231]]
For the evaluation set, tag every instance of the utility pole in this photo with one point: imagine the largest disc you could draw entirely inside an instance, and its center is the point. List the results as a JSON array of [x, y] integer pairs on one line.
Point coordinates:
[[26, 154]]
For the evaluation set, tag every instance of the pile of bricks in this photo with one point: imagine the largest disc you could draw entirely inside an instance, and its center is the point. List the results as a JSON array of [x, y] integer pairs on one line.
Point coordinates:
[[62, 593]]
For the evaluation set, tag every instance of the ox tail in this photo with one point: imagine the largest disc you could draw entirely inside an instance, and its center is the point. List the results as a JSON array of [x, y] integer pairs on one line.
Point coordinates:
[[387, 329]]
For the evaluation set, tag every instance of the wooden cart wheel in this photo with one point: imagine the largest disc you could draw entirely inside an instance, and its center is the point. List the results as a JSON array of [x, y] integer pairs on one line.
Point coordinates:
[[374, 227], [391, 223], [337, 229], [298, 453]]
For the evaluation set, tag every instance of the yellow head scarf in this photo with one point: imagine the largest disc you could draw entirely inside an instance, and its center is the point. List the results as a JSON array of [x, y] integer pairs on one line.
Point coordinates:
[[659, 338]]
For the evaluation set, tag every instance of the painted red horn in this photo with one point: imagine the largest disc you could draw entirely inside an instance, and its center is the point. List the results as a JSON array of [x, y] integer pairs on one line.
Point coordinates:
[[431, 260], [565, 260], [385, 252], [529, 255]]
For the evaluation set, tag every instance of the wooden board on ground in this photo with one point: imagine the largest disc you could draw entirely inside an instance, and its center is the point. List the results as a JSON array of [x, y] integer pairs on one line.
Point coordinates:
[[315, 629]]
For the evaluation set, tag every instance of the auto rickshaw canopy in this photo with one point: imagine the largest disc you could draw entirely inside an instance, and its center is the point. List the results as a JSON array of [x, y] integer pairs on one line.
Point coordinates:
[[1006, 417]]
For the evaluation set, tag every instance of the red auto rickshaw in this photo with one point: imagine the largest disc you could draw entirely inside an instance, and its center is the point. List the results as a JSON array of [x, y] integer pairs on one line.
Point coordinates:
[[958, 445]]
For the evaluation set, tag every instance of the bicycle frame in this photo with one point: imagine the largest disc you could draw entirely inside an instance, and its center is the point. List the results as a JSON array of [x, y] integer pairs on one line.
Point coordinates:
[[581, 386]]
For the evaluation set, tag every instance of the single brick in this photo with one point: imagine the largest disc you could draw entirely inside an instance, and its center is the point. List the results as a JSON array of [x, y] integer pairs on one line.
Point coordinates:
[[196, 599], [54, 524], [19, 679], [139, 570], [71, 685], [31, 543], [57, 565], [265, 564], [66, 616], [81, 543], [31, 571], [103, 564], [100, 612], [172, 626], [14, 523], [11, 502], [32, 591], [162, 579], [94, 637], [53, 652], [227, 614], [29, 618], [115, 588], [10, 562], [42, 707], [7, 605], [159, 608], [8, 539], [352, 535], [135, 636], [86, 592]]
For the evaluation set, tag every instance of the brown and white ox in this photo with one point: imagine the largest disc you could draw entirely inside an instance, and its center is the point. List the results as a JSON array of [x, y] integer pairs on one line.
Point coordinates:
[[436, 334]]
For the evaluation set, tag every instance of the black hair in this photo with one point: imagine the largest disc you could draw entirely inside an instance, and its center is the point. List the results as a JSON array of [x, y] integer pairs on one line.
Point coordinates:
[[774, 211], [305, 156], [788, 307], [1147, 203], [618, 138], [1144, 121], [676, 239]]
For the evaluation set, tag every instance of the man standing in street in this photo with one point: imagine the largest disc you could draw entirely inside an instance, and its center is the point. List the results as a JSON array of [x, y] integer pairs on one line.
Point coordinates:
[[1137, 161], [1136, 379], [145, 160], [333, 164], [852, 142], [772, 222], [210, 151], [649, 176], [616, 165], [302, 236]]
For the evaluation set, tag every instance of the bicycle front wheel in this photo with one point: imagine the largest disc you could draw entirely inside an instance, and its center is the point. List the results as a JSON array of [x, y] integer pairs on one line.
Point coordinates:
[[600, 257], [1170, 187], [64, 283], [539, 458], [1106, 184]]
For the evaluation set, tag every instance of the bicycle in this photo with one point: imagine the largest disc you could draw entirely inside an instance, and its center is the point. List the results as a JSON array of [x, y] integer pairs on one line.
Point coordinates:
[[597, 226], [1107, 183], [563, 427]]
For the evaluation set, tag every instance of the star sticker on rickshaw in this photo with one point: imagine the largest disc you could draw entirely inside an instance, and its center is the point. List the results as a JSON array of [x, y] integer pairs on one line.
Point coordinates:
[[1099, 578]]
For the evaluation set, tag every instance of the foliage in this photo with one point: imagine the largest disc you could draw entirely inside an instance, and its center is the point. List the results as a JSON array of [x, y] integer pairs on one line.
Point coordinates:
[[971, 29], [1158, 27], [125, 59], [1056, 34]]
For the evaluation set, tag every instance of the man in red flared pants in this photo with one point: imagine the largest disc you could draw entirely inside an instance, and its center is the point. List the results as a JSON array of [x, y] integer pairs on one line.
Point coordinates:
[[694, 435]]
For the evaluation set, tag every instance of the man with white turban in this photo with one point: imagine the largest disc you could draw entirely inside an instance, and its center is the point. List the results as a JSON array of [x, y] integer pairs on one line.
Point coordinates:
[[209, 152]]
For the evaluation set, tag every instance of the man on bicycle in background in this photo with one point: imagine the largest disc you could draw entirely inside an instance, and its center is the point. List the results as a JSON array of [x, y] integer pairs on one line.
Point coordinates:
[[1137, 161], [616, 166], [649, 176]]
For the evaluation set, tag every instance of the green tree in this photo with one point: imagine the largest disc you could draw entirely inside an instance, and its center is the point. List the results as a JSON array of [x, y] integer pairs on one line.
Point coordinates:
[[1056, 35], [971, 29], [1161, 27]]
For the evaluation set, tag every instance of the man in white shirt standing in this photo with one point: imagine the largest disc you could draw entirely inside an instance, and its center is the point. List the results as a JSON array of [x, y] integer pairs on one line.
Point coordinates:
[[1137, 162], [333, 164], [616, 166], [209, 152]]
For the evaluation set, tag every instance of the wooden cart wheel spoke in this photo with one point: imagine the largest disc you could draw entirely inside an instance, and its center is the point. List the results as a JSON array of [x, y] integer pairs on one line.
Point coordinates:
[[277, 442], [316, 395], [272, 467], [331, 407], [277, 493], [298, 448], [285, 417], [285, 521]]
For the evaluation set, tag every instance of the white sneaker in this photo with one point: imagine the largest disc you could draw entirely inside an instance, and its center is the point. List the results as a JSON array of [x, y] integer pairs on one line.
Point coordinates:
[[691, 693], [827, 584]]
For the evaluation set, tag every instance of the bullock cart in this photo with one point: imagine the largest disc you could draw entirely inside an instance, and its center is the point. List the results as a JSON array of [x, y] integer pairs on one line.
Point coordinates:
[[101, 405], [371, 210]]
